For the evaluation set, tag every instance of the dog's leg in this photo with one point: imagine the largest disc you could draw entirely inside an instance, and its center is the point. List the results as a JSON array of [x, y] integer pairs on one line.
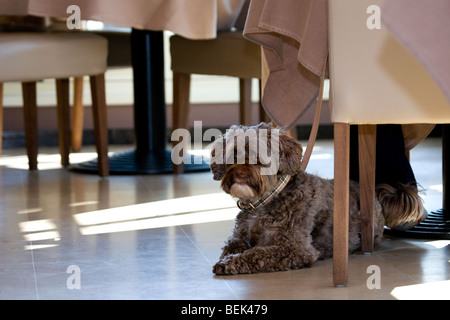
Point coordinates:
[[266, 259], [234, 246], [239, 241]]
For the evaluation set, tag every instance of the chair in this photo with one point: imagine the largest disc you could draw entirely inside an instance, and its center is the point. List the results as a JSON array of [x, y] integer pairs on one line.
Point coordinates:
[[230, 54], [29, 57], [373, 80], [119, 56]]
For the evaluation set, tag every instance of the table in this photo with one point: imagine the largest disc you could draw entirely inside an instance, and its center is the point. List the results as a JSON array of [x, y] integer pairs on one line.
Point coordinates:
[[297, 31], [194, 19]]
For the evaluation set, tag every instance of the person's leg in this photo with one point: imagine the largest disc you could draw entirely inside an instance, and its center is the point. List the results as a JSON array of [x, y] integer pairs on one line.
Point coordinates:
[[396, 184]]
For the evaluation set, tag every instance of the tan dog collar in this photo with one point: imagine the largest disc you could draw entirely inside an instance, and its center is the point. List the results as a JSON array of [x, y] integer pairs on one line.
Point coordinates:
[[250, 207]]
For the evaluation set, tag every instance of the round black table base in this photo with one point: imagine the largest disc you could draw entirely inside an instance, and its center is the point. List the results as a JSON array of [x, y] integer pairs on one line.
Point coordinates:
[[131, 162], [435, 226]]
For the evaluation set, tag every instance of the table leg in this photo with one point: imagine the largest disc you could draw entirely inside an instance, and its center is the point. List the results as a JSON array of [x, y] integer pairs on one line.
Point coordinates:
[[151, 155], [147, 56]]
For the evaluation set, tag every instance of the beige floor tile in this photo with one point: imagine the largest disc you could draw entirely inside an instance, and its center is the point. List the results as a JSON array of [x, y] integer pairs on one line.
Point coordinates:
[[158, 236]]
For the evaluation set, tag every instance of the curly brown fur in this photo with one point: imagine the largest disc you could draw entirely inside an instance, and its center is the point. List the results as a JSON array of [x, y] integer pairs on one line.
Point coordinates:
[[400, 205], [295, 228]]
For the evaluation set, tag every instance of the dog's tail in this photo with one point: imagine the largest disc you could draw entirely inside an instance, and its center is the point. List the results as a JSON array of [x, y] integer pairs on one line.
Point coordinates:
[[400, 205]]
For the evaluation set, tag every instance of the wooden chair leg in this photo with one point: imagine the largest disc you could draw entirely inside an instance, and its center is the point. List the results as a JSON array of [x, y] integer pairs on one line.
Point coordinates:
[[77, 114], [100, 122], [63, 106], [367, 153], [1, 118], [180, 111], [341, 203], [245, 101], [263, 116], [30, 122]]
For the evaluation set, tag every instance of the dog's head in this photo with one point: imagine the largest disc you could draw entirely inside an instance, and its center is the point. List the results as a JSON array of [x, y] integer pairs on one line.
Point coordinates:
[[249, 160]]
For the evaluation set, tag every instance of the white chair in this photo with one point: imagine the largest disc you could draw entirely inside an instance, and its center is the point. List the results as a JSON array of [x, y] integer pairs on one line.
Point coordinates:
[[373, 80], [29, 57]]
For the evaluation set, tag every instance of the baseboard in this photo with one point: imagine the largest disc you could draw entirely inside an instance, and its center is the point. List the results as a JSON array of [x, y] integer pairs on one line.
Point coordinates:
[[49, 138]]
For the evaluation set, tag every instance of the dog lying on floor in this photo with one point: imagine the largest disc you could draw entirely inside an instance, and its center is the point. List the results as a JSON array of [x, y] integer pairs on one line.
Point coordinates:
[[286, 217]]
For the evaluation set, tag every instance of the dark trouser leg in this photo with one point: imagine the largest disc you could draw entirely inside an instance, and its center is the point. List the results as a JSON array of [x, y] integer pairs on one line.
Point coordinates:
[[392, 165]]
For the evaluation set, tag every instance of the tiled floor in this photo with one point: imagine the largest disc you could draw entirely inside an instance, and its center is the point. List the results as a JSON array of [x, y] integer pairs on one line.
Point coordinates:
[[66, 235]]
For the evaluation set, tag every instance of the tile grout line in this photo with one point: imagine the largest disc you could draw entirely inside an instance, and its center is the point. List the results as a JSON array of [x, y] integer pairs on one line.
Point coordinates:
[[207, 260], [34, 267], [195, 245], [31, 251]]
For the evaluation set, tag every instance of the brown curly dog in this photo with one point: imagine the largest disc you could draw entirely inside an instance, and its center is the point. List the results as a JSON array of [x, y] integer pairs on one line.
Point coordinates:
[[286, 217]]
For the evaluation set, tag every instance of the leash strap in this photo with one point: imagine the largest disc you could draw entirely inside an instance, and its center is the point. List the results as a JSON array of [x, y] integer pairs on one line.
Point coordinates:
[[315, 126]]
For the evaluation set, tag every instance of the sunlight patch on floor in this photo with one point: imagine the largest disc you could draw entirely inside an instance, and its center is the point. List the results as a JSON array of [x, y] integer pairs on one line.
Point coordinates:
[[439, 290], [158, 214]]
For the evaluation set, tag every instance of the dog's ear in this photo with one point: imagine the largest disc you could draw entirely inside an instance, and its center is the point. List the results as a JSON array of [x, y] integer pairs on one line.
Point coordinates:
[[290, 155], [217, 165], [218, 170], [263, 125]]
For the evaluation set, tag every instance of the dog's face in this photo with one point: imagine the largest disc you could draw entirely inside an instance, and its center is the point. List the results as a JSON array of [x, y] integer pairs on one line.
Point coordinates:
[[249, 160]]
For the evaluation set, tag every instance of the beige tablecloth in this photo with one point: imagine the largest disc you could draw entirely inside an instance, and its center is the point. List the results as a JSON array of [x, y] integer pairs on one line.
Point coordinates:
[[294, 38], [423, 27], [195, 19]]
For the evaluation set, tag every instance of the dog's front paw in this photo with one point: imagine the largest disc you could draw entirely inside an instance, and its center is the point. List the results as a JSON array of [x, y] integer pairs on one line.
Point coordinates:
[[226, 265], [219, 268]]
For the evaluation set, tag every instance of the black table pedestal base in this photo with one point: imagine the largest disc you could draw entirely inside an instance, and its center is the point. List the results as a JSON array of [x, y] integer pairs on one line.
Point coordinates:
[[435, 226], [132, 162], [150, 155]]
